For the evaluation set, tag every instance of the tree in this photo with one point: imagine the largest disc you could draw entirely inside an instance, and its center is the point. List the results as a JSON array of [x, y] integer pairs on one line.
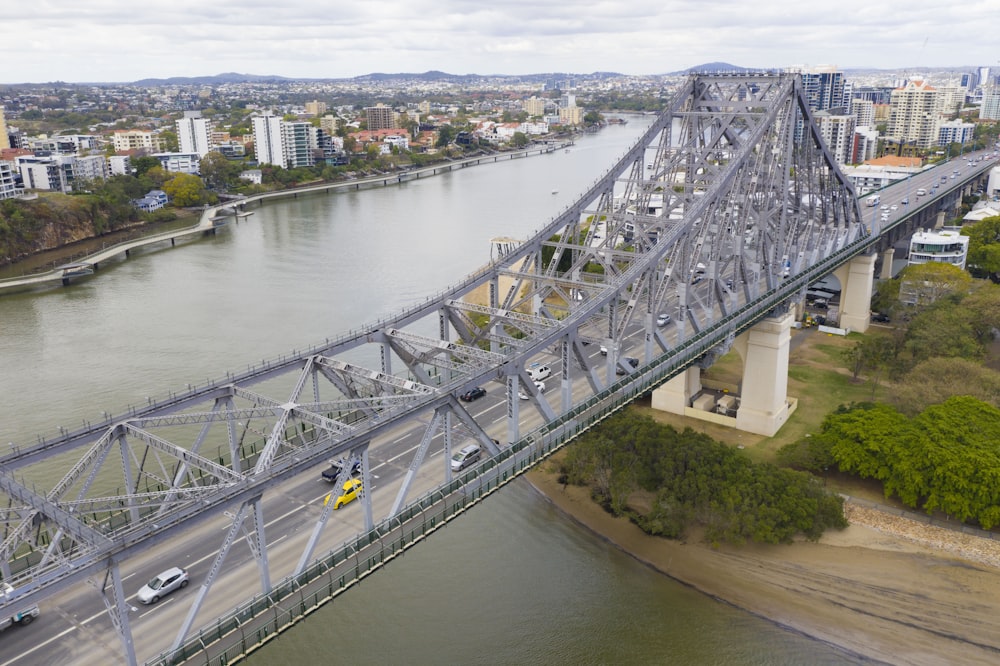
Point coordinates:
[[984, 247], [218, 172], [185, 189], [938, 379], [520, 140], [446, 134]]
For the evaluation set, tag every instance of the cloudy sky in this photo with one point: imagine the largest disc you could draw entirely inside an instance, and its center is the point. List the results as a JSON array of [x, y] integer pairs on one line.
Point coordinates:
[[127, 40]]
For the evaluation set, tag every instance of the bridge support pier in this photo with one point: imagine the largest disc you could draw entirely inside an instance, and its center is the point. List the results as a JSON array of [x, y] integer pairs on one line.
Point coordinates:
[[939, 220], [886, 273], [764, 406], [856, 292]]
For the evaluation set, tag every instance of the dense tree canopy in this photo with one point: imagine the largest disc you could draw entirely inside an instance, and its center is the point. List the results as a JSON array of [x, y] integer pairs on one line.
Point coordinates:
[[984, 248], [946, 458], [697, 480]]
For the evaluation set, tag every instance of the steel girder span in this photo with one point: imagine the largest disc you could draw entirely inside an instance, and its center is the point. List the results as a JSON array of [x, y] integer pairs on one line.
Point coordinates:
[[722, 211]]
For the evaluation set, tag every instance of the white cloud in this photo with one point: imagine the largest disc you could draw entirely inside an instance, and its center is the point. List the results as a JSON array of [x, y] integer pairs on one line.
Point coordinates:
[[114, 40]]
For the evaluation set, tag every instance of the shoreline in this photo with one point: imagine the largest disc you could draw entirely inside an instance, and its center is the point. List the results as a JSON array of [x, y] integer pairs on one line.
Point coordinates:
[[886, 589]]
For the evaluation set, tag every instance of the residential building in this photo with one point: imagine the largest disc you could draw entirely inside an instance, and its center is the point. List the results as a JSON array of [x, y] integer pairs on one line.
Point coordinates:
[[572, 115], [864, 111], [299, 142], [534, 106], [90, 167], [135, 139], [865, 144], [947, 246], [267, 140], [329, 124], [8, 181], [380, 117], [180, 162], [838, 134], [823, 87], [120, 165], [51, 172], [955, 131], [990, 110], [315, 108], [194, 133], [913, 114], [154, 200], [4, 137]]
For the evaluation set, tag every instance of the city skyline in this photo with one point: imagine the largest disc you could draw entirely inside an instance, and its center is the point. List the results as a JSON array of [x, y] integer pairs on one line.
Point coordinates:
[[111, 41]]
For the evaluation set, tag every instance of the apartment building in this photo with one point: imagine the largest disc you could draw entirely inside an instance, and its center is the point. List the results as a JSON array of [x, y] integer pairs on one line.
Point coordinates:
[[194, 133], [285, 144], [8, 182], [914, 112], [4, 137], [838, 134], [380, 117], [267, 140], [135, 139], [955, 131], [947, 246], [990, 110], [315, 108]]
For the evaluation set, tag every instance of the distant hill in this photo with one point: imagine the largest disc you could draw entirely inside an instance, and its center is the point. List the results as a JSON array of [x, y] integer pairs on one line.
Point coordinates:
[[228, 77], [709, 67]]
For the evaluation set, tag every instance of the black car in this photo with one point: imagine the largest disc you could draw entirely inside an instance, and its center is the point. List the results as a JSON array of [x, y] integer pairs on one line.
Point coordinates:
[[333, 472], [474, 394], [880, 317]]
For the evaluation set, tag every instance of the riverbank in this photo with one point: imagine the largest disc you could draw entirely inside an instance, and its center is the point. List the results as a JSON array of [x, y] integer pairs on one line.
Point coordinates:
[[886, 588]]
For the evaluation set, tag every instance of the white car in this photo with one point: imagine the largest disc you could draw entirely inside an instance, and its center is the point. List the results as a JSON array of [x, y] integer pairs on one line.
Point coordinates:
[[540, 386], [462, 459], [162, 585], [663, 319], [893, 207]]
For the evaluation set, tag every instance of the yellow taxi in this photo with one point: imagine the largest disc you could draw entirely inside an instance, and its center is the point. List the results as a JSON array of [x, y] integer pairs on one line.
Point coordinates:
[[351, 491]]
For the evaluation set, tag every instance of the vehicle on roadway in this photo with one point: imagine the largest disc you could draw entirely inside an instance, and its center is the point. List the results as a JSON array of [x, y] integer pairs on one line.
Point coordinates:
[[630, 360], [540, 386], [23, 617], [539, 372], [663, 319], [332, 473], [462, 459], [473, 394], [172, 579], [350, 492]]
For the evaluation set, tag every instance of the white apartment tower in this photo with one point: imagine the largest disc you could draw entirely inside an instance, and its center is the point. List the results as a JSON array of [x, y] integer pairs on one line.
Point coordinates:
[[267, 140], [299, 142], [194, 133], [838, 134], [914, 110]]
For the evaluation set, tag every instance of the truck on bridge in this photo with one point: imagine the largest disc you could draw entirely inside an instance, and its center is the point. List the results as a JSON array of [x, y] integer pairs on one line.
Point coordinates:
[[873, 200], [22, 617]]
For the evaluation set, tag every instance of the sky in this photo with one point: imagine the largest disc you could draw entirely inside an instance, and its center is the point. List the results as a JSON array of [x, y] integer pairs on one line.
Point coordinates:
[[127, 40]]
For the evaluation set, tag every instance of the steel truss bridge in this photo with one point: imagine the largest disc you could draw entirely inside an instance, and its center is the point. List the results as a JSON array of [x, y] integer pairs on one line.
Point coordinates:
[[721, 213]]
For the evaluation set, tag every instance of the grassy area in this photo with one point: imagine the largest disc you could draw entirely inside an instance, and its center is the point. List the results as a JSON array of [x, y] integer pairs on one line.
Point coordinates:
[[817, 377]]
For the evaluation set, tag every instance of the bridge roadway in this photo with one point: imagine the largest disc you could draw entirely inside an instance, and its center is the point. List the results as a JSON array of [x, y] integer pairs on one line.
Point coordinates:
[[402, 424]]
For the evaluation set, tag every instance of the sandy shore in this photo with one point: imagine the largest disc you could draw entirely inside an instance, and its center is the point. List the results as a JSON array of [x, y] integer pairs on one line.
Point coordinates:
[[886, 588]]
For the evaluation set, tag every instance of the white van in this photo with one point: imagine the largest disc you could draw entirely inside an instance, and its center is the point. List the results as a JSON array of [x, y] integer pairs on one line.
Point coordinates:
[[539, 372], [921, 192]]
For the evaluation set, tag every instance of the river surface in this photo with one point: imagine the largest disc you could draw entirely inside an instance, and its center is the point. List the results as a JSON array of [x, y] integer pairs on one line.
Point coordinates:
[[511, 582]]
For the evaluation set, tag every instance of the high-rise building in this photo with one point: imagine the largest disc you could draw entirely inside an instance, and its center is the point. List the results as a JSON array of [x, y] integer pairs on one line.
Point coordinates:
[[298, 140], [194, 133], [990, 110], [285, 144], [914, 112], [380, 117], [838, 134], [267, 140], [864, 111], [823, 87]]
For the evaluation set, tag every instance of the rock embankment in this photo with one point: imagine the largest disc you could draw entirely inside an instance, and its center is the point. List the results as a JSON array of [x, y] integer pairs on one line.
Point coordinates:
[[967, 546]]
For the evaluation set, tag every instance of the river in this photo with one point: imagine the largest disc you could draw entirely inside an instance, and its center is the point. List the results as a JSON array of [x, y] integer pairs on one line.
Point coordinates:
[[511, 582]]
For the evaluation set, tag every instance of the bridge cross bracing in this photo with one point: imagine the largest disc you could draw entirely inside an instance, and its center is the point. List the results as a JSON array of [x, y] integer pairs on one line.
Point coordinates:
[[722, 212]]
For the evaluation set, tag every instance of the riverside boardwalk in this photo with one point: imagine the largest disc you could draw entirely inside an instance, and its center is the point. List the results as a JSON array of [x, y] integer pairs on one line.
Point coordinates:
[[217, 216]]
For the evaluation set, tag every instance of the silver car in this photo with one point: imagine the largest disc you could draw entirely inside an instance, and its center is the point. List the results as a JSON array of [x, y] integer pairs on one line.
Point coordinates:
[[162, 585]]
